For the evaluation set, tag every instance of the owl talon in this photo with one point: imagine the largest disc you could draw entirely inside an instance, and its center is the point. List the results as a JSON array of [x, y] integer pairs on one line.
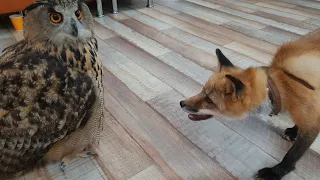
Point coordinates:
[[86, 154], [63, 166]]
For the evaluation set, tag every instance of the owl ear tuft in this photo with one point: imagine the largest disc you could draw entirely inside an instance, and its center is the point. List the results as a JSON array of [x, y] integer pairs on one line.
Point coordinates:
[[34, 6]]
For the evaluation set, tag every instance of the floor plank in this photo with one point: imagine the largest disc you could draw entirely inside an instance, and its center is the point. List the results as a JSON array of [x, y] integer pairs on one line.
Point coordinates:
[[4, 33], [239, 59], [177, 39], [272, 39], [210, 17], [140, 40], [210, 3], [289, 10], [165, 10], [5, 42], [293, 22], [186, 67], [6, 39], [307, 9], [288, 36], [269, 8], [253, 53], [118, 17], [158, 25], [79, 168], [310, 4], [155, 135], [205, 3], [281, 4], [176, 6], [257, 33], [150, 173], [102, 32], [120, 154], [313, 21], [160, 70], [266, 21], [197, 12], [230, 33], [205, 59], [144, 84], [210, 27], [215, 38]]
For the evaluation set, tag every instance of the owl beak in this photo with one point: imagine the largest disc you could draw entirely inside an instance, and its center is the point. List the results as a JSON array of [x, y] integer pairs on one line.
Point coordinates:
[[74, 28]]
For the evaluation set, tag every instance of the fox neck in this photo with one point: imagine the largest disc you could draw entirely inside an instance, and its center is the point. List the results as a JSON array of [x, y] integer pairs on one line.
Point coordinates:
[[265, 108], [260, 84]]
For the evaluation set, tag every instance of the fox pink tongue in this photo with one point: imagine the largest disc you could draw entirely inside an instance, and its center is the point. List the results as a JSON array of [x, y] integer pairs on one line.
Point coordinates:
[[198, 117]]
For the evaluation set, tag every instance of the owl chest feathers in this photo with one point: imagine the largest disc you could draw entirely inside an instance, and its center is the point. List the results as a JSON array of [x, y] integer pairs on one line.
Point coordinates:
[[49, 75], [81, 58]]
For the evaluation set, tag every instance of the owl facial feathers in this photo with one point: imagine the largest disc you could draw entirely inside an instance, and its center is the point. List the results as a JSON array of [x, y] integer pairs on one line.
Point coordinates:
[[58, 22]]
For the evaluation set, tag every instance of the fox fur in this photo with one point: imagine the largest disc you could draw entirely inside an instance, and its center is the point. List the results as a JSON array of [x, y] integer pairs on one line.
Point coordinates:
[[235, 93]]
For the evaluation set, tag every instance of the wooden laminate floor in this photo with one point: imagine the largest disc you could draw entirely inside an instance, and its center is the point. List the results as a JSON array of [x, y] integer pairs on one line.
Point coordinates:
[[154, 58]]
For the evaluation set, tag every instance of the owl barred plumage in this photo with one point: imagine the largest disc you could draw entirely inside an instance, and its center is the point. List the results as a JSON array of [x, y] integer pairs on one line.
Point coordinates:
[[51, 93]]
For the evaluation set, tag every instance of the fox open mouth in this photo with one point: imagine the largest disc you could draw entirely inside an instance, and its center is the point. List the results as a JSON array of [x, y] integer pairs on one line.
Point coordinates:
[[199, 117]]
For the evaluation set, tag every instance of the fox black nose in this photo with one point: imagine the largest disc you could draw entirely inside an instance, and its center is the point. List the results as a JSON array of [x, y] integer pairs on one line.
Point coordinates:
[[182, 104]]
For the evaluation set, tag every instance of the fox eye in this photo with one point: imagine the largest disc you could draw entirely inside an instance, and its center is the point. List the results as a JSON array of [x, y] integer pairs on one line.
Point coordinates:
[[208, 100]]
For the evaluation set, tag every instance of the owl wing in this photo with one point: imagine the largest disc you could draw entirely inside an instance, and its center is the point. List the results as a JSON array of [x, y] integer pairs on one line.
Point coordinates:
[[41, 101]]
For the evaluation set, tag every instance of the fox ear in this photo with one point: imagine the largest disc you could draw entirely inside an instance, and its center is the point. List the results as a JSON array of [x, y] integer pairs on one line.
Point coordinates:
[[239, 86], [223, 60]]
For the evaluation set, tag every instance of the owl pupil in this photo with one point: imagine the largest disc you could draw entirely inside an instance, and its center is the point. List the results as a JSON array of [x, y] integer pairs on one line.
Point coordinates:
[[78, 13], [56, 17]]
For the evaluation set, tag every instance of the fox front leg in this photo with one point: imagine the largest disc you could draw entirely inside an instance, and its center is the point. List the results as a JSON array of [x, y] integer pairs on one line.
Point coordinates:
[[290, 134], [303, 142]]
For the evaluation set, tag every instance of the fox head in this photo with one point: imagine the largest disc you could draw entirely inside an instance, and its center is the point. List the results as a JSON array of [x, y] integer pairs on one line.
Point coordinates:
[[231, 92]]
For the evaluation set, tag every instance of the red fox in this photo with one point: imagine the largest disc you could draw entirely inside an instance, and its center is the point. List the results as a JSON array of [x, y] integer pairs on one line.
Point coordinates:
[[290, 84]]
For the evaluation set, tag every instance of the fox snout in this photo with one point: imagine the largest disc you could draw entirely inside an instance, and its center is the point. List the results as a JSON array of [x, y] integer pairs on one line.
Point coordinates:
[[194, 113], [183, 104], [187, 107]]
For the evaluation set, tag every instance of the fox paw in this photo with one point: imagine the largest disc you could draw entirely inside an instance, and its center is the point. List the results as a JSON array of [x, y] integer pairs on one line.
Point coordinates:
[[267, 174], [290, 134]]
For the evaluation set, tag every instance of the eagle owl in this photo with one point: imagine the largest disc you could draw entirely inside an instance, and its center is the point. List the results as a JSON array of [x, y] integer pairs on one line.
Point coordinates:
[[51, 92]]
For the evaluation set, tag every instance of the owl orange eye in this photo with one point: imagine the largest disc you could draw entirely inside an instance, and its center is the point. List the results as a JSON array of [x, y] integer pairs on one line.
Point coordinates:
[[56, 17], [78, 14]]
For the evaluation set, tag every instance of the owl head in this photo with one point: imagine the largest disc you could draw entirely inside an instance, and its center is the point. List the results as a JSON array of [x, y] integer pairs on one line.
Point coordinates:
[[58, 21]]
